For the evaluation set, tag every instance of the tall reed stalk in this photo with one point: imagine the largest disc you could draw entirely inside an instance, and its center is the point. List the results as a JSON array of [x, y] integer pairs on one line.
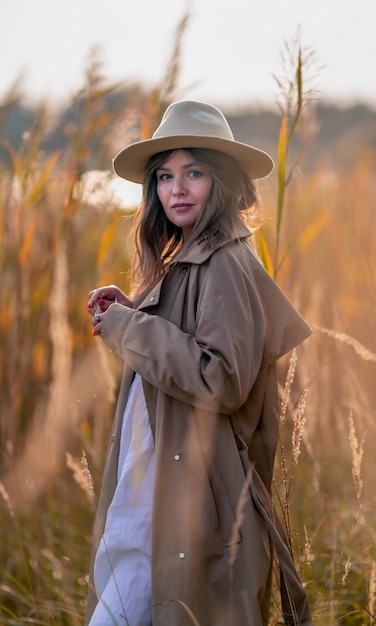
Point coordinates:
[[294, 99]]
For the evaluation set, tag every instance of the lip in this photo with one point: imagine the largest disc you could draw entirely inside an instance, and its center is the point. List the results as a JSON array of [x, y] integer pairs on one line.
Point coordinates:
[[181, 206]]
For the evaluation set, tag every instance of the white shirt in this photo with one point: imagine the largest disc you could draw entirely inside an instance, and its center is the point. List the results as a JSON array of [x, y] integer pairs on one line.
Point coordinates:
[[122, 570]]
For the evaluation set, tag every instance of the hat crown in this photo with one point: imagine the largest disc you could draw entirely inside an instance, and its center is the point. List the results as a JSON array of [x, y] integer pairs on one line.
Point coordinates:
[[193, 118], [191, 124]]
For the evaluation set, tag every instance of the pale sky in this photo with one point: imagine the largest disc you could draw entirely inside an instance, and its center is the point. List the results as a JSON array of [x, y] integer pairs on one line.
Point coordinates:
[[230, 50]]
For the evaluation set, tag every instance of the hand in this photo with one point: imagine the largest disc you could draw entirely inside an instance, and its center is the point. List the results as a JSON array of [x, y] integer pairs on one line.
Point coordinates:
[[101, 299]]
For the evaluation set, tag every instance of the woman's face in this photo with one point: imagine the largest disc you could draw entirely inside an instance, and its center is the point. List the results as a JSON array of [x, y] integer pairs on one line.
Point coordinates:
[[183, 187]]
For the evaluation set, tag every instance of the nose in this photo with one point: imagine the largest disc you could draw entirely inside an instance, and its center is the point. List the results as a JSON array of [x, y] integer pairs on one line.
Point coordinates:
[[178, 187]]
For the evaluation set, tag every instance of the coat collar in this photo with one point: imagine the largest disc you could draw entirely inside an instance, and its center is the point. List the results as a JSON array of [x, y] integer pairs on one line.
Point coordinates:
[[198, 254]]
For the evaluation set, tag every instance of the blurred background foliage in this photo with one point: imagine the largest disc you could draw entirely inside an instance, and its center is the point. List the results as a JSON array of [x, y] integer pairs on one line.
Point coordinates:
[[58, 384]]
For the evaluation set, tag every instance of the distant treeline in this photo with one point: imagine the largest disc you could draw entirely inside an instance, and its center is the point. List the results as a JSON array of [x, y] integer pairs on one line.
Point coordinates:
[[335, 132]]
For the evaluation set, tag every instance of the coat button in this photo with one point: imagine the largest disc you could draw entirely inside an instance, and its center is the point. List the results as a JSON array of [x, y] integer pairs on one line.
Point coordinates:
[[112, 437], [177, 457], [181, 555], [152, 299]]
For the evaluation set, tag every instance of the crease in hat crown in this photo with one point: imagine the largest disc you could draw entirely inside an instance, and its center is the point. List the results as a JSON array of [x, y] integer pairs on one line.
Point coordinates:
[[191, 124], [199, 118]]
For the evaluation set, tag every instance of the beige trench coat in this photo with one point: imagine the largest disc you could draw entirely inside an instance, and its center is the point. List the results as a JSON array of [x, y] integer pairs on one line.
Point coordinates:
[[205, 341]]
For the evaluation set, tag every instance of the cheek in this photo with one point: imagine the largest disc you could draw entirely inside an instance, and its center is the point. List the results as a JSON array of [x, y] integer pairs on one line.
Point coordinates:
[[161, 196], [207, 191]]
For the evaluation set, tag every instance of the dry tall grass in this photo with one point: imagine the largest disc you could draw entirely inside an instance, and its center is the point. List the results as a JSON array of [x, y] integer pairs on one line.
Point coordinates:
[[57, 385]]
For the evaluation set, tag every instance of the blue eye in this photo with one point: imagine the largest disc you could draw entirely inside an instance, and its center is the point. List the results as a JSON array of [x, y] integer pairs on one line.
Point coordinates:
[[164, 176], [195, 173]]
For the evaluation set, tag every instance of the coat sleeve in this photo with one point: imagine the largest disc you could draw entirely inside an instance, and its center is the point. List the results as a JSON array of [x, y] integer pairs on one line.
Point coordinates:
[[214, 369]]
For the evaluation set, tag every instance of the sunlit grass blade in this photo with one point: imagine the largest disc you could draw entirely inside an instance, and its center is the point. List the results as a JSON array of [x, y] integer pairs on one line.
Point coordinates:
[[264, 251], [41, 181], [282, 147], [25, 249]]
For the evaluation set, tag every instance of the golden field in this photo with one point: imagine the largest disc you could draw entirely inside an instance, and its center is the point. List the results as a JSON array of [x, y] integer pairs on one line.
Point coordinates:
[[58, 383]]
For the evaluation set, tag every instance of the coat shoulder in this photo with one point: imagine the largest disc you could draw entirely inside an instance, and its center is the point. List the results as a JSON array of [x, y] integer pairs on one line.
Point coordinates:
[[286, 327]]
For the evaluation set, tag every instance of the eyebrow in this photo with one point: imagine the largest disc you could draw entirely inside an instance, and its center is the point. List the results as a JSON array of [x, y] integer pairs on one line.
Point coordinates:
[[188, 165]]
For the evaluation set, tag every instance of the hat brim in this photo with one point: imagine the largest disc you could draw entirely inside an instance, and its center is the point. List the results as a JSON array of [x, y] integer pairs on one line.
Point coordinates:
[[130, 162]]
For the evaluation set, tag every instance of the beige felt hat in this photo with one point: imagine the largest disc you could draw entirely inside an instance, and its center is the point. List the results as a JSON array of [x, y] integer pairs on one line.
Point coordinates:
[[191, 124]]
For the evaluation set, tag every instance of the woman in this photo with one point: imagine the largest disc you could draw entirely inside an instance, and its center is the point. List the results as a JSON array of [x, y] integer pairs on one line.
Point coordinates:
[[185, 529]]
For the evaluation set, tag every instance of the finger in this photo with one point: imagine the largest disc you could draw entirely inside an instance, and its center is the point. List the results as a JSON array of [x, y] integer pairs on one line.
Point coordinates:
[[97, 330], [95, 300], [93, 307], [97, 324], [104, 303]]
